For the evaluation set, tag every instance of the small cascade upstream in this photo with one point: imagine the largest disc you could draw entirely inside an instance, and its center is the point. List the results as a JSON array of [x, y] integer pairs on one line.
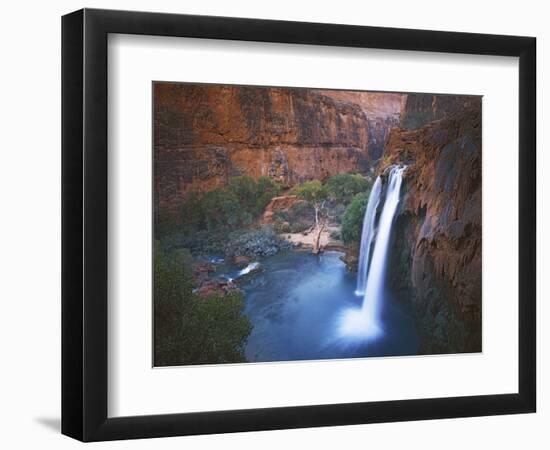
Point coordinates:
[[252, 266], [365, 322]]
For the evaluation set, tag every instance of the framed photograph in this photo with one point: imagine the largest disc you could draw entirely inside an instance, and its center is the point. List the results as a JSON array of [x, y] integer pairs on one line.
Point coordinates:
[[273, 224]]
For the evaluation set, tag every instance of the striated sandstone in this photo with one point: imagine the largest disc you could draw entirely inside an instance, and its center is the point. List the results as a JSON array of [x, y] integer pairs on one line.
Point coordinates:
[[207, 133]]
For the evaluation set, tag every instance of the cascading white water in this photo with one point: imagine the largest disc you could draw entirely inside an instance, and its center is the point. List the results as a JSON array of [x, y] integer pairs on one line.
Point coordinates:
[[367, 235], [365, 322], [252, 266], [375, 280]]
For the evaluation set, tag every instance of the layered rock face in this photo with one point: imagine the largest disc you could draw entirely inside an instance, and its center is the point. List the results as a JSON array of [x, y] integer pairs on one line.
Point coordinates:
[[207, 133], [383, 111], [437, 248], [420, 109]]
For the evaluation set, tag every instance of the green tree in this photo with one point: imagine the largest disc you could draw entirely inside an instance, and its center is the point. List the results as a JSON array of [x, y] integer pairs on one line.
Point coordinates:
[[352, 221], [204, 219], [245, 190], [222, 209], [173, 286], [343, 186], [218, 329], [190, 329], [192, 217], [267, 189], [315, 194]]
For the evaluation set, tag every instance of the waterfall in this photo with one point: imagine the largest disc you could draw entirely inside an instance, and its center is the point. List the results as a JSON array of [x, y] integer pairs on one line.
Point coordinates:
[[367, 235], [375, 281], [365, 322]]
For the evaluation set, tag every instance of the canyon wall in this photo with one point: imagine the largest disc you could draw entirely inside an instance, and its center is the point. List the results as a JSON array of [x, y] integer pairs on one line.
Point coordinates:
[[437, 248], [204, 134], [420, 109], [383, 111]]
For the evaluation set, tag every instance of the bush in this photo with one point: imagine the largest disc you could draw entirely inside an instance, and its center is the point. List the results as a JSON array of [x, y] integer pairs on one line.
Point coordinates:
[[352, 222], [280, 226], [190, 329]]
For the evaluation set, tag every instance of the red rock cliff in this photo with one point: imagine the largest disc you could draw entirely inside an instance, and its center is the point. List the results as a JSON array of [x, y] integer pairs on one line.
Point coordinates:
[[205, 133], [437, 251]]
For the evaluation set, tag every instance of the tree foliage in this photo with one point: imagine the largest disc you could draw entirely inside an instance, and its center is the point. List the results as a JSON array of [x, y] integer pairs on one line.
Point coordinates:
[[352, 222], [311, 191], [204, 219], [267, 189], [342, 187], [190, 329]]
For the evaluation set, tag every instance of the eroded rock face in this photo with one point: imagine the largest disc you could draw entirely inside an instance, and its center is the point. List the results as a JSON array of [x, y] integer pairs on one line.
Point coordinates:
[[383, 111], [379, 129], [437, 249], [205, 134]]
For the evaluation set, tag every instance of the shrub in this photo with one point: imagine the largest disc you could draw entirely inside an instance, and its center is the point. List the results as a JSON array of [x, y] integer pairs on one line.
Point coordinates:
[[281, 226], [352, 222]]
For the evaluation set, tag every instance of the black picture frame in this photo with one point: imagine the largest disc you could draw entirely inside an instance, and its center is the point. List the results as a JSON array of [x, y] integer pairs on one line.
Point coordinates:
[[84, 224]]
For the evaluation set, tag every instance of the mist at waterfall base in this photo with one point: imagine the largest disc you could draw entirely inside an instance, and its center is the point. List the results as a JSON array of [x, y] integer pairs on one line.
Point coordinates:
[[305, 307]]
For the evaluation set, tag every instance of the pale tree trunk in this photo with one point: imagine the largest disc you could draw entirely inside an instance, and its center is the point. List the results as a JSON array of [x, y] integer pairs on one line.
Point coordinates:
[[317, 239], [319, 227], [316, 208]]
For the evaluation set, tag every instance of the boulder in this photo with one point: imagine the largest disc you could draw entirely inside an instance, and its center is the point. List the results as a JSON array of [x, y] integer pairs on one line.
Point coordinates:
[[241, 261], [216, 287]]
